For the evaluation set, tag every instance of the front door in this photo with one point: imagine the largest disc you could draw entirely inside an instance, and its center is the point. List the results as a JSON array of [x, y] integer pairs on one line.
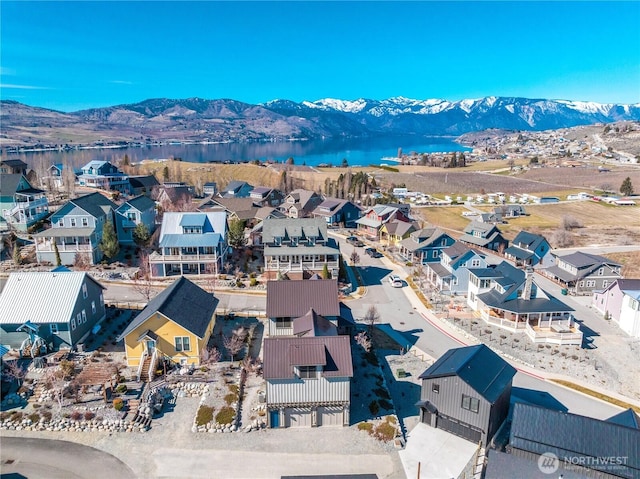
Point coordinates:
[[274, 418], [151, 345]]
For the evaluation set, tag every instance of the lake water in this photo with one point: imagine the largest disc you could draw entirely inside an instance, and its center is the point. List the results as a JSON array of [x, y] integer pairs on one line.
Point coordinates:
[[357, 151]]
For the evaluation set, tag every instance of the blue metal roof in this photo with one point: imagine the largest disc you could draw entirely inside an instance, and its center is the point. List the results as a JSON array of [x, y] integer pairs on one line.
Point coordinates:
[[193, 220], [190, 240]]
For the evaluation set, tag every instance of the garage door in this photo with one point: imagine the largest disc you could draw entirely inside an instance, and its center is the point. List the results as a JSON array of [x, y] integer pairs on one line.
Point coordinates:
[[330, 416], [459, 429], [297, 417]]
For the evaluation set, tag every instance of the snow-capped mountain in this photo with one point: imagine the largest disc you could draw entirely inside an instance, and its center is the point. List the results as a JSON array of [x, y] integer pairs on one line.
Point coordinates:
[[231, 120]]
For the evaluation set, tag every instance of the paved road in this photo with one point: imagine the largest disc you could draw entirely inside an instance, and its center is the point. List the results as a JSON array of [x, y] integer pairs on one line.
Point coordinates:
[[51, 459]]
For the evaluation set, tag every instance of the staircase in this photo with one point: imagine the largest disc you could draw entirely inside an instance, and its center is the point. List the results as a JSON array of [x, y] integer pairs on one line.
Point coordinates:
[[144, 374]]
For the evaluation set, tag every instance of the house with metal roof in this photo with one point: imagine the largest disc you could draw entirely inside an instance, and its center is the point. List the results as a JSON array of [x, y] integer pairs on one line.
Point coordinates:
[[308, 380], [592, 447], [288, 300], [373, 218], [236, 189], [583, 273], [190, 243], [143, 184], [176, 324], [76, 229], [620, 302], [300, 203], [528, 249], [21, 205], [59, 307], [104, 175], [466, 392], [509, 298], [298, 248], [451, 274], [337, 212], [131, 213], [485, 235], [425, 246]]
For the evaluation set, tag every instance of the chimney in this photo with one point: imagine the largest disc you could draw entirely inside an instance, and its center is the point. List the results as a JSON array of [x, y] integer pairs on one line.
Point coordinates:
[[526, 292]]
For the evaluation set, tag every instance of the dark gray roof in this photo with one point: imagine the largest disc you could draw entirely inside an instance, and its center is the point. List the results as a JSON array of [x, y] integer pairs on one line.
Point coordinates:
[[551, 304], [14, 162], [482, 369], [9, 183], [530, 240], [627, 418], [294, 298], [539, 430], [146, 181], [585, 260], [184, 303], [518, 253], [479, 226], [332, 352], [501, 465], [95, 204], [142, 203], [455, 250], [293, 228], [235, 185]]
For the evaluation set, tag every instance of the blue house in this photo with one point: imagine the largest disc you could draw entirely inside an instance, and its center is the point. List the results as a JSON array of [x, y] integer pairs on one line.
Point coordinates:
[[104, 175], [425, 245], [131, 213], [451, 274], [338, 212], [530, 249], [191, 243], [237, 189], [21, 205], [76, 228]]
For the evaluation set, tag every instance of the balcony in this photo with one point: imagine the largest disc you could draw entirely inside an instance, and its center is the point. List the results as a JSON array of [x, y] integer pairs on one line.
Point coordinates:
[[158, 258], [299, 265], [47, 247], [564, 333]]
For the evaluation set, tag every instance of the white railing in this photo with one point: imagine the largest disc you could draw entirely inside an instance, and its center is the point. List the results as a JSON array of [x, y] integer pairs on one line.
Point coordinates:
[[299, 265], [166, 258], [502, 322], [141, 364], [62, 247], [153, 364], [552, 337]]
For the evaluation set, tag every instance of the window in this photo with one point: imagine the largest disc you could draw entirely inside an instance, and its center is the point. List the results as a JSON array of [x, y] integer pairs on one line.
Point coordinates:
[[85, 222], [101, 299], [307, 372], [53, 328], [182, 343], [601, 272], [591, 283], [470, 404], [84, 291], [435, 388], [84, 316], [73, 324], [61, 222], [78, 319], [73, 222], [633, 304], [283, 323], [605, 283], [475, 263], [93, 307], [581, 284]]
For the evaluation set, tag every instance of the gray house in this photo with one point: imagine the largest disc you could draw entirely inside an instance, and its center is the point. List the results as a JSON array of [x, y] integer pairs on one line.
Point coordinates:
[[466, 392], [530, 249], [584, 273], [485, 235], [451, 274], [131, 213], [61, 310]]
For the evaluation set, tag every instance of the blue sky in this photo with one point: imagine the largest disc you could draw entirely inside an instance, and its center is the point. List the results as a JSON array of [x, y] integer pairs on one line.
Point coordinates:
[[75, 55]]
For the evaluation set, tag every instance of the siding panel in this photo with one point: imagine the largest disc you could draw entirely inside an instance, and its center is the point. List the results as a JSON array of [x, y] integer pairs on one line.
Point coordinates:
[[308, 391]]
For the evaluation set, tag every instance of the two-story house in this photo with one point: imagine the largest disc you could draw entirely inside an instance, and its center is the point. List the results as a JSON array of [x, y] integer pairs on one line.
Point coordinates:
[[528, 249], [133, 212], [21, 205], [425, 245], [13, 166], [393, 232], [509, 298], [337, 212], [620, 302], [265, 196], [300, 203], [105, 176], [583, 273], [485, 235], [54, 177], [236, 189], [143, 184], [190, 243], [373, 218], [451, 274], [298, 248], [288, 300], [307, 365], [57, 309], [210, 188], [466, 392], [76, 228]]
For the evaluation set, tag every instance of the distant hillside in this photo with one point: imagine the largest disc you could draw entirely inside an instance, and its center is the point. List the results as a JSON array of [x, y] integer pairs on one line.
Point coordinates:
[[197, 119]]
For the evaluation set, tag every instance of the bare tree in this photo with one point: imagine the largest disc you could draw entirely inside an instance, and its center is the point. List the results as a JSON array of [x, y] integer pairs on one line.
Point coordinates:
[[569, 222], [363, 340], [210, 355], [561, 238], [235, 342], [210, 270], [371, 317], [54, 381], [13, 370], [355, 257], [82, 261], [142, 282]]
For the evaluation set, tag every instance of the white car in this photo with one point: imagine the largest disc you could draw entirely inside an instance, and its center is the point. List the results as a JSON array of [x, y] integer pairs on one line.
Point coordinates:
[[395, 281]]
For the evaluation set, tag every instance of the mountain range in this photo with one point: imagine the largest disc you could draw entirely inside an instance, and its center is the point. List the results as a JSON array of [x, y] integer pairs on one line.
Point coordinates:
[[197, 119]]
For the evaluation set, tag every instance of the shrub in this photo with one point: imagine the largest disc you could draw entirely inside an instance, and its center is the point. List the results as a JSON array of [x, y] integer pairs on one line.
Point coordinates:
[[34, 417], [374, 408], [37, 406], [234, 388], [16, 416], [225, 415], [253, 282], [385, 431], [88, 416], [365, 426], [204, 415], [252, 275], [121, 389], [118, 404], [76, 416], [231, 398], [392, 419], [47, 415]]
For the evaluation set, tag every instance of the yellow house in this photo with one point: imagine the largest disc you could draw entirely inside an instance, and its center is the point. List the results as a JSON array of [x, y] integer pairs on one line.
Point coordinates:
[[175, 325], [393, 232]]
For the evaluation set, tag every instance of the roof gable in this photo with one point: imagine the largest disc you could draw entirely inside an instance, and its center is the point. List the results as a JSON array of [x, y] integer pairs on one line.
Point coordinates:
[[294, 298]]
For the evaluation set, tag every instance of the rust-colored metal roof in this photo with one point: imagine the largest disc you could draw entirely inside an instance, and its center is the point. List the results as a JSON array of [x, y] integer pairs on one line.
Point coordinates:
[[282, 354], [294, 298]]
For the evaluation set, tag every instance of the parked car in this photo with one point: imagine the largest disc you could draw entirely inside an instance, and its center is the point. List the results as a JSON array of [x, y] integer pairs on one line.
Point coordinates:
[[395, 281], [374, 253], [355, 241]]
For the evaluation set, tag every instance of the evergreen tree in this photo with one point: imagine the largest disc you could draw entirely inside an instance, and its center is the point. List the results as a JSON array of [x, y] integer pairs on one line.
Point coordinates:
[[56, 253], [125, 161], [236, 234], [17, 258], [626, 188], [109, 243], [325, 272], [165, 173], [141, 235]]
